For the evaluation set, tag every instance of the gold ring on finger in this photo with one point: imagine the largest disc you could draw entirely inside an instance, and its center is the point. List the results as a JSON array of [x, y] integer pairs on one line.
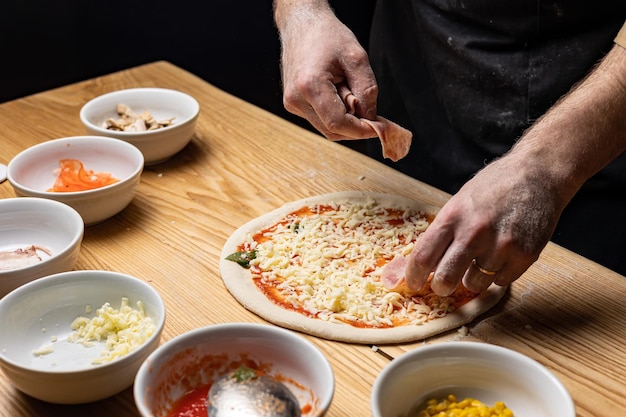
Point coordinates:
[[483, 270]]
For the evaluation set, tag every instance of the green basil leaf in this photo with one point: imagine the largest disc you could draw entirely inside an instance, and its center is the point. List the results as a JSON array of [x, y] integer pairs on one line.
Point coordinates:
[[243, 258], [244, 373]]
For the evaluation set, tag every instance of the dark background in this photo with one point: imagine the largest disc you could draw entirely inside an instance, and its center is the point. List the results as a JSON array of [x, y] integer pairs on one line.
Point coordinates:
[[231, 44]]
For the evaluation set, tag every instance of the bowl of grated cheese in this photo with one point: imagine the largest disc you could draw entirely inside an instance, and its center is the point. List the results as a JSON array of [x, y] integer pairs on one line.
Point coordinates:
[[78, 336]]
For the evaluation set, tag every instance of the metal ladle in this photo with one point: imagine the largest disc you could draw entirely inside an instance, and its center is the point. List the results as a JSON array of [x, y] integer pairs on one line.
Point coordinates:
[[243, 393]]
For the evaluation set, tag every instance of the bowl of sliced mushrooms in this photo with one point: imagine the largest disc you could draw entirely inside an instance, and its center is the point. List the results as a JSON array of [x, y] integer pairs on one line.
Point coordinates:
[[160, 122]]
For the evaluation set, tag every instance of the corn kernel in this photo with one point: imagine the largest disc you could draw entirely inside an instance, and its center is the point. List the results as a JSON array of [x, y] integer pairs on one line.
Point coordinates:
[[468, 407]]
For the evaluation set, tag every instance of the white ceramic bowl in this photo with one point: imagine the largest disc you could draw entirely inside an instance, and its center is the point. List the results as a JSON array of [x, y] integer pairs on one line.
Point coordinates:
[[54, 228], [36, 313], [156, 145], [200, 356], [483, 371], [33, 171]]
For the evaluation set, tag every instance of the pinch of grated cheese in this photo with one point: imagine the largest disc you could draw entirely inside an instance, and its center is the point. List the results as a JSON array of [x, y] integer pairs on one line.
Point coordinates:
[[43, 350], [122, 330], [320, 260]]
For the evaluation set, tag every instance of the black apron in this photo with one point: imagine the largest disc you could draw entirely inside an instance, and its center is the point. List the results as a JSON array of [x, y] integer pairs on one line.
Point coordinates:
[[468, 77]]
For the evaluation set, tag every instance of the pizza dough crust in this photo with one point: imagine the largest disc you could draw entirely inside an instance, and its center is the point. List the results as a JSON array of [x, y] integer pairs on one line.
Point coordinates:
[[239, 283]]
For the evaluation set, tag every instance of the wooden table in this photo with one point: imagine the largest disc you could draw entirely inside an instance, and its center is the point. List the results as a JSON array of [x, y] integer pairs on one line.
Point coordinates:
[[566, 312]]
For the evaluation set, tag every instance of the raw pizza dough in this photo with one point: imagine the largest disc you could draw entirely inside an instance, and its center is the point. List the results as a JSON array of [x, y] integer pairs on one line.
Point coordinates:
[[238, 281]]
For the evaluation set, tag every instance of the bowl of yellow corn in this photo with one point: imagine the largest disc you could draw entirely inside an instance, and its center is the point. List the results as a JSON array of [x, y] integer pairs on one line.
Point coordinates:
[[466, 379]]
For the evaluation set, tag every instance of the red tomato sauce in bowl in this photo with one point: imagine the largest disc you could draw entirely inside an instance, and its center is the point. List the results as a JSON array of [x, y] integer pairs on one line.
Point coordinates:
[[192, 404]]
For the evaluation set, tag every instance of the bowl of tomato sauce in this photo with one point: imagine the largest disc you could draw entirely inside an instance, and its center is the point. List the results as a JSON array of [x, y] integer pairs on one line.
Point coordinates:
[[175, 379], [96, 176]]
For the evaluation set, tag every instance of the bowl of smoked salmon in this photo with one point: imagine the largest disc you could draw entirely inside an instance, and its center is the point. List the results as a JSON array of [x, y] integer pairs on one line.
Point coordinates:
[[175, 380], [95, 175], [160, 122], [38, 237]]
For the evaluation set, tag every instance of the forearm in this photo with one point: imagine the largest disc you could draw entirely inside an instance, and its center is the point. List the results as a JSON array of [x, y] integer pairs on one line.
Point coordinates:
[[583, 132], [287, 10], [321, 56]]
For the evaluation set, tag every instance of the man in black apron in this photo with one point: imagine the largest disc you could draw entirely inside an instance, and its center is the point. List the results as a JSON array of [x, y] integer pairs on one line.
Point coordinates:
[[468, 78]]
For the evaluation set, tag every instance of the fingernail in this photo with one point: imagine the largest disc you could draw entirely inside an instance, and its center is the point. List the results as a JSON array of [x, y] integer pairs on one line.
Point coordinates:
[[370, 114], [441, 287], [416, 276]]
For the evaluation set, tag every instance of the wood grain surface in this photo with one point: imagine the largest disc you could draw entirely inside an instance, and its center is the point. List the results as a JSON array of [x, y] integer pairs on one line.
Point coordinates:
[[566, 312]]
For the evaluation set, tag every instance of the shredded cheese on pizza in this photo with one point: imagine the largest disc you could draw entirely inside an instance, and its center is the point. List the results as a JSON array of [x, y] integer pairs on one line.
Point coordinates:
[[325, 261]]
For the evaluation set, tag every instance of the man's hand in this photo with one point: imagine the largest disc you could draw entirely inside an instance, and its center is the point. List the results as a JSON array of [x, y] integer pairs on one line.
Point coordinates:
[[495, 227], [319, 53], [492, 230]]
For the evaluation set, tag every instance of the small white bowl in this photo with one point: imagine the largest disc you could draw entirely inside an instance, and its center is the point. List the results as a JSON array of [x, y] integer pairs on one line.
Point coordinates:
[[37, 313], [47, 224], [34, 170], [197, 358], [483, 371], [156, 145]]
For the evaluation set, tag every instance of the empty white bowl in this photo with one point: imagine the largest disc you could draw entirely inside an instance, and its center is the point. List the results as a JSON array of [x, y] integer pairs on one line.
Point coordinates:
[[39, 314], [55, 229], [156, 145], [33, 172], [195, 359], [482, 371]]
